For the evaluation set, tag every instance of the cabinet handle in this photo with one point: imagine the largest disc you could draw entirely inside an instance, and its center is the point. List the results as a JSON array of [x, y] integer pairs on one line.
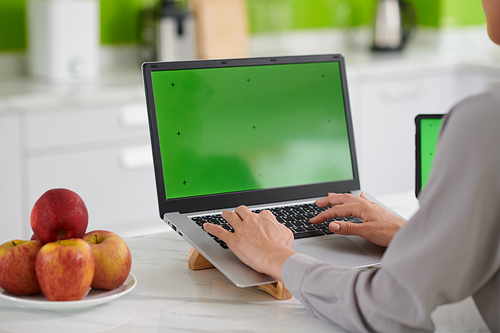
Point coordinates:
[[134, 115], [136, 158]]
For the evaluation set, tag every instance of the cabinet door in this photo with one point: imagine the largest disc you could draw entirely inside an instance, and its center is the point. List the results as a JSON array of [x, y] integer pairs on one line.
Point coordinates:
[[469, 84], [104, 155], [63, 128], [116, 184], [388, 139], [12, 225]]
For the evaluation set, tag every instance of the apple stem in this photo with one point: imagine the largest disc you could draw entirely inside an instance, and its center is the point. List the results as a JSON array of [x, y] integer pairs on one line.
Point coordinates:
[[96, 239], [13, 243]]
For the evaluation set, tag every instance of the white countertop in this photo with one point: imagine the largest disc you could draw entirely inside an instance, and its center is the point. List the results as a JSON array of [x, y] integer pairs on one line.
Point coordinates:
[[170, 297], [22, 94]]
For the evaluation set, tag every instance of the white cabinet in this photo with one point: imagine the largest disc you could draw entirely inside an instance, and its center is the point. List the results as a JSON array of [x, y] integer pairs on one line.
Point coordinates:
[[383, 114], [389, 107], [470, 82], [85, 127], [101, 153], [12, 225], [118, 197]]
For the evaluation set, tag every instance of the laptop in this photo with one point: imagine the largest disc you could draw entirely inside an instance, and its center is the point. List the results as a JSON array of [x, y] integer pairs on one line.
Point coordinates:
[[427, 129], [270, 133]]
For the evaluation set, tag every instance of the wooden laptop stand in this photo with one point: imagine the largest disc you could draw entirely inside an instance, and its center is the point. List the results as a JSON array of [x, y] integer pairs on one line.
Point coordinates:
[[275, 289]]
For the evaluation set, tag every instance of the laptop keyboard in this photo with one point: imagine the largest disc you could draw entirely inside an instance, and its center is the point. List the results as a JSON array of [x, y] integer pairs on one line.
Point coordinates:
[[295, 217]]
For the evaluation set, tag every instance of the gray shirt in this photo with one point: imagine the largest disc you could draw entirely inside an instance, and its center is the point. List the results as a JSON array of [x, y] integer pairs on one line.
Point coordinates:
[[449, 250]]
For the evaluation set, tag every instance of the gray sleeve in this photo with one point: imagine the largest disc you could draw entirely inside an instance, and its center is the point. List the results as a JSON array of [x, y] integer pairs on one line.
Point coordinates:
[[449, 250], [357, 300]]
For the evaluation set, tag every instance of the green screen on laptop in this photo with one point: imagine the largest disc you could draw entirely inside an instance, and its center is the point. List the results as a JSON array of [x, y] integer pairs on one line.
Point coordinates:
[[233, 129]]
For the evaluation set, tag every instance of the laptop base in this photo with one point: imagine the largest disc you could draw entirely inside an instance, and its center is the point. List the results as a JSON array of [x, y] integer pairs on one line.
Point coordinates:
[[276, 289]]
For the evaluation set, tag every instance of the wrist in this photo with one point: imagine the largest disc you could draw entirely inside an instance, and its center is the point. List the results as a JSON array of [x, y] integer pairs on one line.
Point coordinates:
[[276, 260]]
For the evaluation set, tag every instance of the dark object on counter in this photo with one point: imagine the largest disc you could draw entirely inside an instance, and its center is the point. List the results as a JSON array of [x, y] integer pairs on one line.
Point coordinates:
[[395, 21]]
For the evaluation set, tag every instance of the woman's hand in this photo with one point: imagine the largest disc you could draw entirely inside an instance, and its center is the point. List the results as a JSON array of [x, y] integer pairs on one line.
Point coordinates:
[[259, 240], [379, 226]]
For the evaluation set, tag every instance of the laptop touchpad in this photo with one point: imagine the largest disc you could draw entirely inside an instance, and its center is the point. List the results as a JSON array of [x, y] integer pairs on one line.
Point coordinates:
[[340, 251]]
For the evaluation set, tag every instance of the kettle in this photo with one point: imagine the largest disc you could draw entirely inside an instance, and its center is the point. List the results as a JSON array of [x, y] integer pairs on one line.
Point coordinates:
[[168, 32], [176, 32], [395, 21]]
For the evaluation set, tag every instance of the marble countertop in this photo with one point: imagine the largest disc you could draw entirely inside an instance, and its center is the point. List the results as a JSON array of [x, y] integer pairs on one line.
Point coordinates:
[[172, 298]]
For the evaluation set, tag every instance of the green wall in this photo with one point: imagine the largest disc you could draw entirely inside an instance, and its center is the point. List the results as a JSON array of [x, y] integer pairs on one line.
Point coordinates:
[[12, 24], [463, 12], [279, 15], [120, 19], [276, 15]]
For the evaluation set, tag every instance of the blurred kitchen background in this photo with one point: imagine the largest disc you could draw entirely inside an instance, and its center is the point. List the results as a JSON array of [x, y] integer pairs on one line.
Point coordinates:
[[72, 110]]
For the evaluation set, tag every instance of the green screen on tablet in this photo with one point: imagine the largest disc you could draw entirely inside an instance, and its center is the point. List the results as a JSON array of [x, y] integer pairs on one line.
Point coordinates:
[[428, 128]]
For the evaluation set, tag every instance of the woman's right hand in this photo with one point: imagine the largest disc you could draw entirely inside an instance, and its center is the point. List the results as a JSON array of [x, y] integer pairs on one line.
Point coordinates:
[[379, 226]]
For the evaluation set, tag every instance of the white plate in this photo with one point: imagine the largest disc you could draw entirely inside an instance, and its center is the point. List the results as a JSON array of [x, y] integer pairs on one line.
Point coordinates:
[[94, 297]]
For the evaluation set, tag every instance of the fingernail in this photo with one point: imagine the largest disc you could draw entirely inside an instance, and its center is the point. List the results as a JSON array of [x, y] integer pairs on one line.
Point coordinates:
[[334, 227]]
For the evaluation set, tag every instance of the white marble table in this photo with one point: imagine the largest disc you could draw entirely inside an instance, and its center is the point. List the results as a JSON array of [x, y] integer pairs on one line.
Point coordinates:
[[170, 298]]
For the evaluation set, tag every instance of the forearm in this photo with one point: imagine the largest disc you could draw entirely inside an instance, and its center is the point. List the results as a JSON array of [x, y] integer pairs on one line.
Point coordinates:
[[367, 300]]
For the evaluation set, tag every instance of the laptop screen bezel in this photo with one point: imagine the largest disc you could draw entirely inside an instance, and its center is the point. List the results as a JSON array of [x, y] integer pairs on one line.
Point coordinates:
[[250, 197]]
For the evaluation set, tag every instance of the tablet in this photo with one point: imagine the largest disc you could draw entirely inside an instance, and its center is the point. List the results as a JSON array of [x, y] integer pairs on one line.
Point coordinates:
[[427, 131]]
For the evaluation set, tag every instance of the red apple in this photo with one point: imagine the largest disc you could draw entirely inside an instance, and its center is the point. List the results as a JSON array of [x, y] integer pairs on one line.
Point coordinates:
[[17, 267], [65, 269], [112, 259], [59, 214]]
